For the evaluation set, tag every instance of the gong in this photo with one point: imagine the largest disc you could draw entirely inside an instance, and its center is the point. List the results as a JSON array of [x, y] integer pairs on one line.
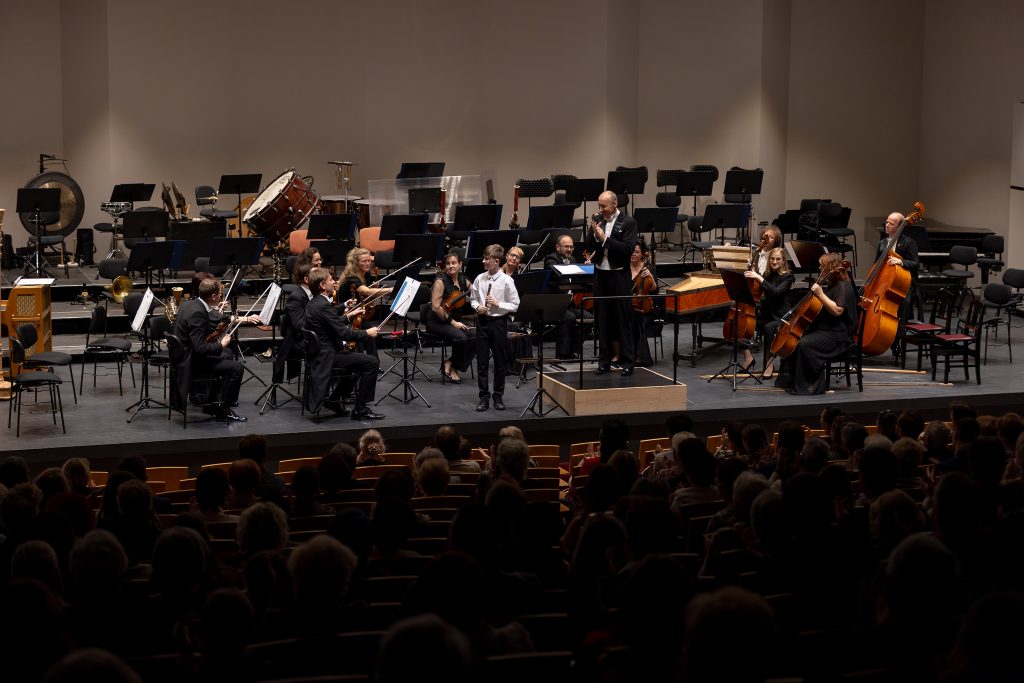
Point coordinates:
[[72, 206]]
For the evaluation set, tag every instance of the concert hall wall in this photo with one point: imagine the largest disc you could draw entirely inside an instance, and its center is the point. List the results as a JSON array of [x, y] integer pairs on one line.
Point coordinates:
[[874, 103]]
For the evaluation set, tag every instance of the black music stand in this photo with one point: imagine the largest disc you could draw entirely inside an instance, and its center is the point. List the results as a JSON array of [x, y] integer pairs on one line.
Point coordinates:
[[584, 190], [470, 217], [37, 201], [331, 226], [742, 184], [147, 226], [739, 292], [695, 184], [149, 256], [541, 311], [132, 192], [395, 224], [409, 390], [237, 252], [334, 252], [627, 182], [429, 247], [804, 255], [425, 200], [430, 169], [146, 402], [652, 220], [722, 217], [239, 184], [478, 241], [533, 282]]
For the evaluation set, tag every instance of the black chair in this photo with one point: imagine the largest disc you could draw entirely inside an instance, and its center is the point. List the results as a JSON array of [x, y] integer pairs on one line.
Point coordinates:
[[202, 265], [992, 248], [1000, 297], [32, 380], [560, 182], [160, 358], [203, 385], [312, 350], [530, 189], [964, 344], [111, 229], [851, 360], [117, 349], [207, 196], [963, 256], [43, 359], [834, 226], [921, 335], [696, 228]]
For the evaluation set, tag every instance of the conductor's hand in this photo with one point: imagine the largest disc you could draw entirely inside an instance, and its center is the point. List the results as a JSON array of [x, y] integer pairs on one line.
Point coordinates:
[[598, 232], [373, 332]]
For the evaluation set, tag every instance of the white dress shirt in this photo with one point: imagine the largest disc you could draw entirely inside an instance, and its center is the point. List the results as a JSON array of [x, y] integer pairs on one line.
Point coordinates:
[[607, 227], [501, 287]]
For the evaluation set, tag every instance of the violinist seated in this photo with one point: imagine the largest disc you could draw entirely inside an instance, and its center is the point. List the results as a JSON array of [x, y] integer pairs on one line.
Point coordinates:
[[567, 333], [294, 321], [449, 304], [774, 283], [643, 309], [332, 329], [356, 283], [828, 336], [199, 326]]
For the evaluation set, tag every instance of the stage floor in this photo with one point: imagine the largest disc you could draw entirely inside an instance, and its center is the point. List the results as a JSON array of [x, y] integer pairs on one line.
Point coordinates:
[[97, 428]]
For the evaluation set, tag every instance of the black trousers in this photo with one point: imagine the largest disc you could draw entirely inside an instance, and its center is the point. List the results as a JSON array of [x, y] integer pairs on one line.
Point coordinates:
[[230, 372], [492, 338], [462, 343], [613, 316], [363, 368]]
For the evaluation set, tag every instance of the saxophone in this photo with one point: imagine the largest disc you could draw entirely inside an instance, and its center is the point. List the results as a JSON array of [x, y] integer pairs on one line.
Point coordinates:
[[173, 303]]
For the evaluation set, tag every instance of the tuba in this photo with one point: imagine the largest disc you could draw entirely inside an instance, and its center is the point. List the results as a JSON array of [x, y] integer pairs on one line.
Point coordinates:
[[120, 288], [174, 303]]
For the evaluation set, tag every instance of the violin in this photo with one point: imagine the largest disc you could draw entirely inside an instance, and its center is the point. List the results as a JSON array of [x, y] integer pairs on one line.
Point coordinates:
[[644, 284], [456, 299], [223, 321]]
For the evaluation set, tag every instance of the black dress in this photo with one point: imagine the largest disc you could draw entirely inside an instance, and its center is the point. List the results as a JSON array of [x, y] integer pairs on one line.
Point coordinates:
[[773, 304], [829, 335], [463, 343]]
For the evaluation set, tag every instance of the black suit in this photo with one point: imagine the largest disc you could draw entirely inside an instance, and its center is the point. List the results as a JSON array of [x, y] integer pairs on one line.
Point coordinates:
[[614, 316], [192, 326], [567, 334], [333, 331], [292, 325], [906, 249]]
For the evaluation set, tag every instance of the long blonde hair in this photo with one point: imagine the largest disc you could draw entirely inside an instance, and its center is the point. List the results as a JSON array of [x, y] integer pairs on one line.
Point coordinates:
[[785, 264], [352, 265]]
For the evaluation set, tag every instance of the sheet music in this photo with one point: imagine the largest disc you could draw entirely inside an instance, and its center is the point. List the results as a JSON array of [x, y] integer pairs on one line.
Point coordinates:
[[575, 269], [30, 281], [406, 293], [267, 313], [140, 315]]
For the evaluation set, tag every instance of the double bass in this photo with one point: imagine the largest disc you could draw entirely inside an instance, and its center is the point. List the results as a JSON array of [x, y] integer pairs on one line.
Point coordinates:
[[799, 318], [885, 288]]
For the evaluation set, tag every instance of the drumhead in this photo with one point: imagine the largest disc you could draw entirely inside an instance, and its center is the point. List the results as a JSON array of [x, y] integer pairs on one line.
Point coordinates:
[[338, 198], [269, 194]]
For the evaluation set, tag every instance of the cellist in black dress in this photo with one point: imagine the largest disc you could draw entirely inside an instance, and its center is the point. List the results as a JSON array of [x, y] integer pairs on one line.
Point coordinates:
[[776, 281], [832, 331], [448, 323]]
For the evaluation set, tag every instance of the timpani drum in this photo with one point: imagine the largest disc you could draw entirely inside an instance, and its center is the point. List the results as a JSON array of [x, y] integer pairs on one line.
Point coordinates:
[[337, 203], [284, 205]]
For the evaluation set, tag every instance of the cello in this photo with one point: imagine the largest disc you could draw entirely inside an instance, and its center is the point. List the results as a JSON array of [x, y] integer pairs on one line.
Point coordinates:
[[799, 318], [885, 288]]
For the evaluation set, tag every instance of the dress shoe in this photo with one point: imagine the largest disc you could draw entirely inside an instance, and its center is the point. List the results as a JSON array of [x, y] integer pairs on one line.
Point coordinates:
[[498, 403], [483, 405], [364, 413], [602, 369], [230, 416], [627, 372], [336, 407]]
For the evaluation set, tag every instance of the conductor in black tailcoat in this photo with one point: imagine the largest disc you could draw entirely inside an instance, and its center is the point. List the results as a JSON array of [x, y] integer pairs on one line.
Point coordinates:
[[333, 330], [196, 320], [611, 238]]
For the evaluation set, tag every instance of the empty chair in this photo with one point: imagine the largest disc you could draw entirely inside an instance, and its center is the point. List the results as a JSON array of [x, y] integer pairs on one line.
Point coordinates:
[[964, 344], [999, 297], [833, 223], [992, 248], [697, 230], [962, 256], [42, 359], [98, 344], [207, 196]]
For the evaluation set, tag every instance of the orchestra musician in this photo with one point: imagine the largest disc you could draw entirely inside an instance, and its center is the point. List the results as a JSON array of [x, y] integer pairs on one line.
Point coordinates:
[[294, 320], [771, 238], [331, 327], [832, 331], [611, 239], [311, 256], [449, 285], [355, 281], [494, 298], [642, 282], [567, 332], [906, 258], [775, 281], [513, 260], [197, 321]]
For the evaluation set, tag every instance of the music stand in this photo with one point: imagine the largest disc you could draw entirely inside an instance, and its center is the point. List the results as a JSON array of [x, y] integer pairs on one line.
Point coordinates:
[[652, 220], [332, 226], [470, 217], [583, 190], [478, 241], [146, 402], [132, 192], [722, 217], [428, 247], [739, 291], [425, 200], [695, 184], [402, 224], [430, 169], [235, 251], [627, 182], [542, 310], [743, 183], [37, 201], [334, 252], [146, 226], [149, 256], [534, 282], [804, 255], [239, 184]]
